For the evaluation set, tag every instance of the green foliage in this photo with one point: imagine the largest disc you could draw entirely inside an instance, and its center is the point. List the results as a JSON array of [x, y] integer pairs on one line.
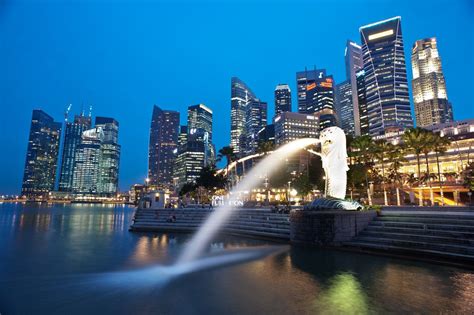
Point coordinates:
[[209, 179], [469, 177], [187, 188], [302, 185]]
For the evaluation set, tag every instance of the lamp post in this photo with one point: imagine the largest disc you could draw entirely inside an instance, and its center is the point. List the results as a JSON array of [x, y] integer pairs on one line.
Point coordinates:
[[147, 180]]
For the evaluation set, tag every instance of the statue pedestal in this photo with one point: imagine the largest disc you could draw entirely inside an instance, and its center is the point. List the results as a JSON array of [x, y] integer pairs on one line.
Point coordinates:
[[327, 227]]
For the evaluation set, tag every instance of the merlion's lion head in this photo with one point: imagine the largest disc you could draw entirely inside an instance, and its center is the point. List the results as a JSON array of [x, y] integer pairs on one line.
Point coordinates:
[[333, 146]]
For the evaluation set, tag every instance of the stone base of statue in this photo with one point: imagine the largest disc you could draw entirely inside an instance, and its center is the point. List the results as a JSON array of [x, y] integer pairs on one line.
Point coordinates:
[[326, 222], [331, 203]]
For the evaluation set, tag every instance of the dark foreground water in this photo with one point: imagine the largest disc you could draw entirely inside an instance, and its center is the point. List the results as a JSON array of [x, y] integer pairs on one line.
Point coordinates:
[[53, 260]]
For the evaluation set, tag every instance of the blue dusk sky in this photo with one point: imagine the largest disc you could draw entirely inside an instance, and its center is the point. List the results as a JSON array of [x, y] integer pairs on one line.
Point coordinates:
[[122, 57]]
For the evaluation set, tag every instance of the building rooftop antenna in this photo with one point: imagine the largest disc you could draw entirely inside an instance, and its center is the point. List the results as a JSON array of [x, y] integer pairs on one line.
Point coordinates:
[[90, 111], [66, 112]]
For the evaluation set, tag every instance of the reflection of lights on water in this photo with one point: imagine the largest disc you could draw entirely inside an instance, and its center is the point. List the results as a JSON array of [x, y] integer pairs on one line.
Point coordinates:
[[344, 295]]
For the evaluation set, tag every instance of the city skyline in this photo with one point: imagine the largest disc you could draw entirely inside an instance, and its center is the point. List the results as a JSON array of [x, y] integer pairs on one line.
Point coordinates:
[[134, 109]]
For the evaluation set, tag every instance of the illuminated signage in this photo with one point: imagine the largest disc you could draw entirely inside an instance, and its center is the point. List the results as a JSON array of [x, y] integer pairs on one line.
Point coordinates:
[[326, 84], [311, 86], [381, 34]]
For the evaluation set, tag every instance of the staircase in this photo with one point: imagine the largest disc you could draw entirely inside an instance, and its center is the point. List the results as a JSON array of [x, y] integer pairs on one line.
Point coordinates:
[[445, 235], [260, 223]]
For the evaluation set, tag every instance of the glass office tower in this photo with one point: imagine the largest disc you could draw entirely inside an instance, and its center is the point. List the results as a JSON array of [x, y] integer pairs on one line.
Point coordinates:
[[163, 144], [344, 107], [110, 156], [72, 138], [354, 64], [282, 99], [41, 156], [388, 102], [241, 95]]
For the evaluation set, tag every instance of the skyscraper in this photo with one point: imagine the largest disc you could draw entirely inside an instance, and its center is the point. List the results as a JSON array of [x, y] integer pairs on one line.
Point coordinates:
[[282, 99], [200, 116], [344, 107], [163, 145], [354, 64], [72, 138], [87, 162], [388, 103], [316, 96], [241, 95], [255, 120], [41, 156], [362, 101], [110, 156], [429, 87]]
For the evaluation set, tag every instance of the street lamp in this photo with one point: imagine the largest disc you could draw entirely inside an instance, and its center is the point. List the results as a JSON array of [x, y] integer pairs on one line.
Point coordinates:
[[147, 180]]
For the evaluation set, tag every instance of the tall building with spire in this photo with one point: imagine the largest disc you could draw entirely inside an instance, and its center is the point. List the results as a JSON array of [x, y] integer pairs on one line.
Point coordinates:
[[429, 86], [388, 102], [72, 138], [41, 156], [282, 99], [163, 146]]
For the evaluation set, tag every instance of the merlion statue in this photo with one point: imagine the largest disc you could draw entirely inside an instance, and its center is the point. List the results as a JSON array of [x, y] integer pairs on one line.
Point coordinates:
[[334, 158]]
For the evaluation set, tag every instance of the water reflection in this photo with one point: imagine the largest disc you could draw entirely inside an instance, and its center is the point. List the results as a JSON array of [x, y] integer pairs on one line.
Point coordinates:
[[343, 295], [53, 258]]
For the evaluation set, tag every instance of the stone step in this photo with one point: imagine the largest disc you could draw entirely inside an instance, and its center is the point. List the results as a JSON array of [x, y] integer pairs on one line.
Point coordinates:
[[408, 250], [417, 225], [446, 233], [460, 249], [425, 220], [282, 225], [281, 233], [419, 237]]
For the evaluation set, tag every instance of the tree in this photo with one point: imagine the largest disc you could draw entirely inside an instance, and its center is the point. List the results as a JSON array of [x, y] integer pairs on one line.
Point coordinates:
[[227, 153], [302, 185], [361, 150], [440, 146], [265, 147], [187, 188], [469, 177], [382, 148], [395, 157], [414, 141], [209, 179]]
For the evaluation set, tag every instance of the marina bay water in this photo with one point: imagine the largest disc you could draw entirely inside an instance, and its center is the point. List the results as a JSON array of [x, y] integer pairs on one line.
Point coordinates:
[[56, 259]]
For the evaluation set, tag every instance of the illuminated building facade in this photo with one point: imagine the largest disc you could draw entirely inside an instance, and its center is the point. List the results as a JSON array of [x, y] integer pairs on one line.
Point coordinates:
[[362, 104], [241, 95], [191, 157], [291, 126], [388, 103], [255, 120], [110, 156], [41, 156], [316, 96], [72, 138], [163, 146], [344, 107], [87, 162], [282, 99], [354, 64], [429, 87], [200, 116], [267, 134]]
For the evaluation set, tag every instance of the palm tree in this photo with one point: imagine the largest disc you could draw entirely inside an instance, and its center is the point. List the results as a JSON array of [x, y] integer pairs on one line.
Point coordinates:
[[440, 146], [413, 140], [427, 148], [395, 157], [227, 153], [382, 148], [361, 148]]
